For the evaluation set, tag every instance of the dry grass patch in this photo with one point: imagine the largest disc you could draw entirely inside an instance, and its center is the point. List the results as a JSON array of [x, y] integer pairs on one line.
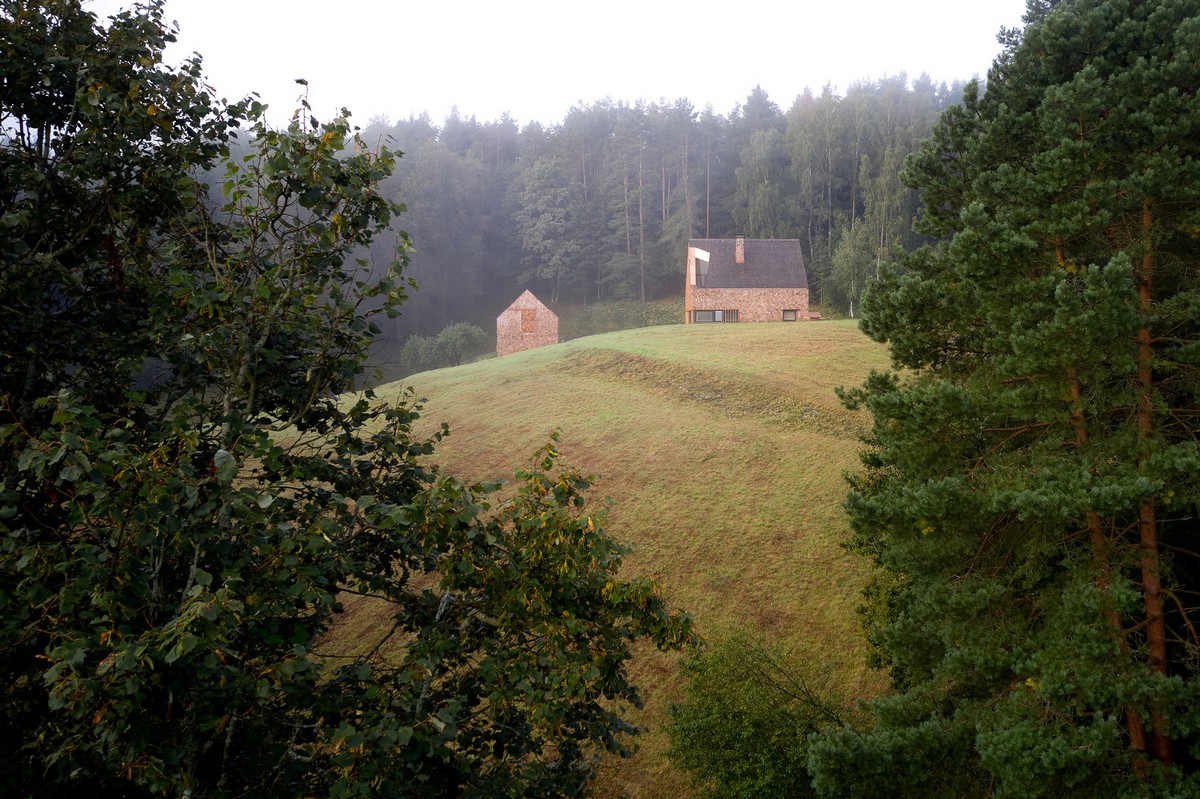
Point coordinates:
[[723, 450]]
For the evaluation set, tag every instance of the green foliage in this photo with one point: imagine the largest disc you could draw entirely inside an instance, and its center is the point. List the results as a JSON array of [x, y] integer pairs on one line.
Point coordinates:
[[764, 188], [420, 354], [743, 729], [460, 341], [551, 244], [453, 345], [186, 500], [1031, 478], [853, 265], [577, 321]]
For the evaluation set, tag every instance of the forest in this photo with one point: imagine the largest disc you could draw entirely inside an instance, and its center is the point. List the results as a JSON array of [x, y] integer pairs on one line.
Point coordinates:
[[193, 492], [600, 206]]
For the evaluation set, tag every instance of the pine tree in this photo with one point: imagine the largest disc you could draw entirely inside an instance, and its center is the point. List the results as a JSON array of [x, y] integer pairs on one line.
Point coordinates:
[[1033, 474]]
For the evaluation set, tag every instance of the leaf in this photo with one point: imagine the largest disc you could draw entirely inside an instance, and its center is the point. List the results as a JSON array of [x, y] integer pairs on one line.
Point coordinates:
[[226, 466]]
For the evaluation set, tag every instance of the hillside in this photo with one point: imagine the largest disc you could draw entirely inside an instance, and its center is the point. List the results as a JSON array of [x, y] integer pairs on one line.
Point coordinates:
[[723, 450]]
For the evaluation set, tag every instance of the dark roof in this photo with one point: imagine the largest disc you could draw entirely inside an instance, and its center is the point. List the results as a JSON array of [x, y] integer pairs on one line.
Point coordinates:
[[770, 264]]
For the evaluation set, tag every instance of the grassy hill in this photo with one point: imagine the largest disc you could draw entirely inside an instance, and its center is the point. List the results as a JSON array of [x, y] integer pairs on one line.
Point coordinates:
[[723, 450]]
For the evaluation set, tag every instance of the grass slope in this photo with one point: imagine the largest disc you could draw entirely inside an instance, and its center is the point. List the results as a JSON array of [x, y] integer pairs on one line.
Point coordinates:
[[723, 450]]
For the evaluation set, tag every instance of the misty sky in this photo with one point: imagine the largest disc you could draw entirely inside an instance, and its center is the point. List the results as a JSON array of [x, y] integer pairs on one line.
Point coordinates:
[[536, 59]]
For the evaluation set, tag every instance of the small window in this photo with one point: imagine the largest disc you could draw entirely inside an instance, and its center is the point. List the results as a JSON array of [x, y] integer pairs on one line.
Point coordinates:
[[789, 316], [715, 316], [529, 320]]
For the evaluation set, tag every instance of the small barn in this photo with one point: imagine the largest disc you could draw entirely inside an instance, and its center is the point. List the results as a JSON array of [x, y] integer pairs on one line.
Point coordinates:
[[525, 324], [746, 280]]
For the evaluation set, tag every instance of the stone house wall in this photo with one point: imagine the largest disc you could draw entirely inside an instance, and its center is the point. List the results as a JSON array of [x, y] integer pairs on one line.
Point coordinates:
[[525, 324], [752, 305]]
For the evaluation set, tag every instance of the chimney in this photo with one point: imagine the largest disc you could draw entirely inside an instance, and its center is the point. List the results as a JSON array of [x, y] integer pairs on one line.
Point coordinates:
[[739, 250]]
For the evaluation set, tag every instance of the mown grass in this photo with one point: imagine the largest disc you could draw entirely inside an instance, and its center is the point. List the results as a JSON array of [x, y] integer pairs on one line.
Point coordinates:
[[723, 451]]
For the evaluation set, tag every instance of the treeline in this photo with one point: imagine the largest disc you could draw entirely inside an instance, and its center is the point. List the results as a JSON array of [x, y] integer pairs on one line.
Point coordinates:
[[599, 207]]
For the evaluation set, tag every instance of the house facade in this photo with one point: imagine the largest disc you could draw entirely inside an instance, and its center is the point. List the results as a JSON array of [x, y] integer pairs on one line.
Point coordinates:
[[745, 280], [525, 324]]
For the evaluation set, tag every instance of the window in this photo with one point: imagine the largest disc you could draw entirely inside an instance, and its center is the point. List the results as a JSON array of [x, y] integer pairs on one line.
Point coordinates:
[[699, 267], [715, 316], [529, 320], [789, 316]]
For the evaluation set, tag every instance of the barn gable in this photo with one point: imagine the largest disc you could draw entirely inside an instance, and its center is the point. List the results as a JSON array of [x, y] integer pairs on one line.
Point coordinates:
[[525, 324]]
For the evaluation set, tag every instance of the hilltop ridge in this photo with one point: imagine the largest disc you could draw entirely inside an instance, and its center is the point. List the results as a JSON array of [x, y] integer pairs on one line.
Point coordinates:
[[723, 451]]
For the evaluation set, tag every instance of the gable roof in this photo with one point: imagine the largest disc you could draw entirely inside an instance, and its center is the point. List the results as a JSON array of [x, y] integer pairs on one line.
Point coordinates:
[[527, 301], [770, 264]]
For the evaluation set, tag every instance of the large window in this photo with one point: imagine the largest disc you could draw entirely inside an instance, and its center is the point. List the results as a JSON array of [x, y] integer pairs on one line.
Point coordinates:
[[699, 268], [715, 316]]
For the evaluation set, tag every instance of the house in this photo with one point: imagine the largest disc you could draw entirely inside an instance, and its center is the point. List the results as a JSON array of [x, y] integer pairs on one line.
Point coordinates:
[[525, 324], [746, 280]]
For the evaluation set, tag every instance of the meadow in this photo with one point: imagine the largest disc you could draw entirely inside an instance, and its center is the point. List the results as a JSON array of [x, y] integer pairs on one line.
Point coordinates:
[[722, 451]]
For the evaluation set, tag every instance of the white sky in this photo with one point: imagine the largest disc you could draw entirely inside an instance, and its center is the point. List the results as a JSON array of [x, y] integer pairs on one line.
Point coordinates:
[[536, 59]]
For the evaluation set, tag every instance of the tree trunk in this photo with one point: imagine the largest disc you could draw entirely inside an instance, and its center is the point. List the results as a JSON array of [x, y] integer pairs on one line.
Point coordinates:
[[1156, 633], [641, 235], [1135, 728], [708, 192], [628, 221], [583, 168], [665, 199], [687, 194]]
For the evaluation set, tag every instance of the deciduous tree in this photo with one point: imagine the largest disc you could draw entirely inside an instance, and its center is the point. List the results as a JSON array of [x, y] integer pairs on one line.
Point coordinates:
[[187, 495], [742, 730]]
